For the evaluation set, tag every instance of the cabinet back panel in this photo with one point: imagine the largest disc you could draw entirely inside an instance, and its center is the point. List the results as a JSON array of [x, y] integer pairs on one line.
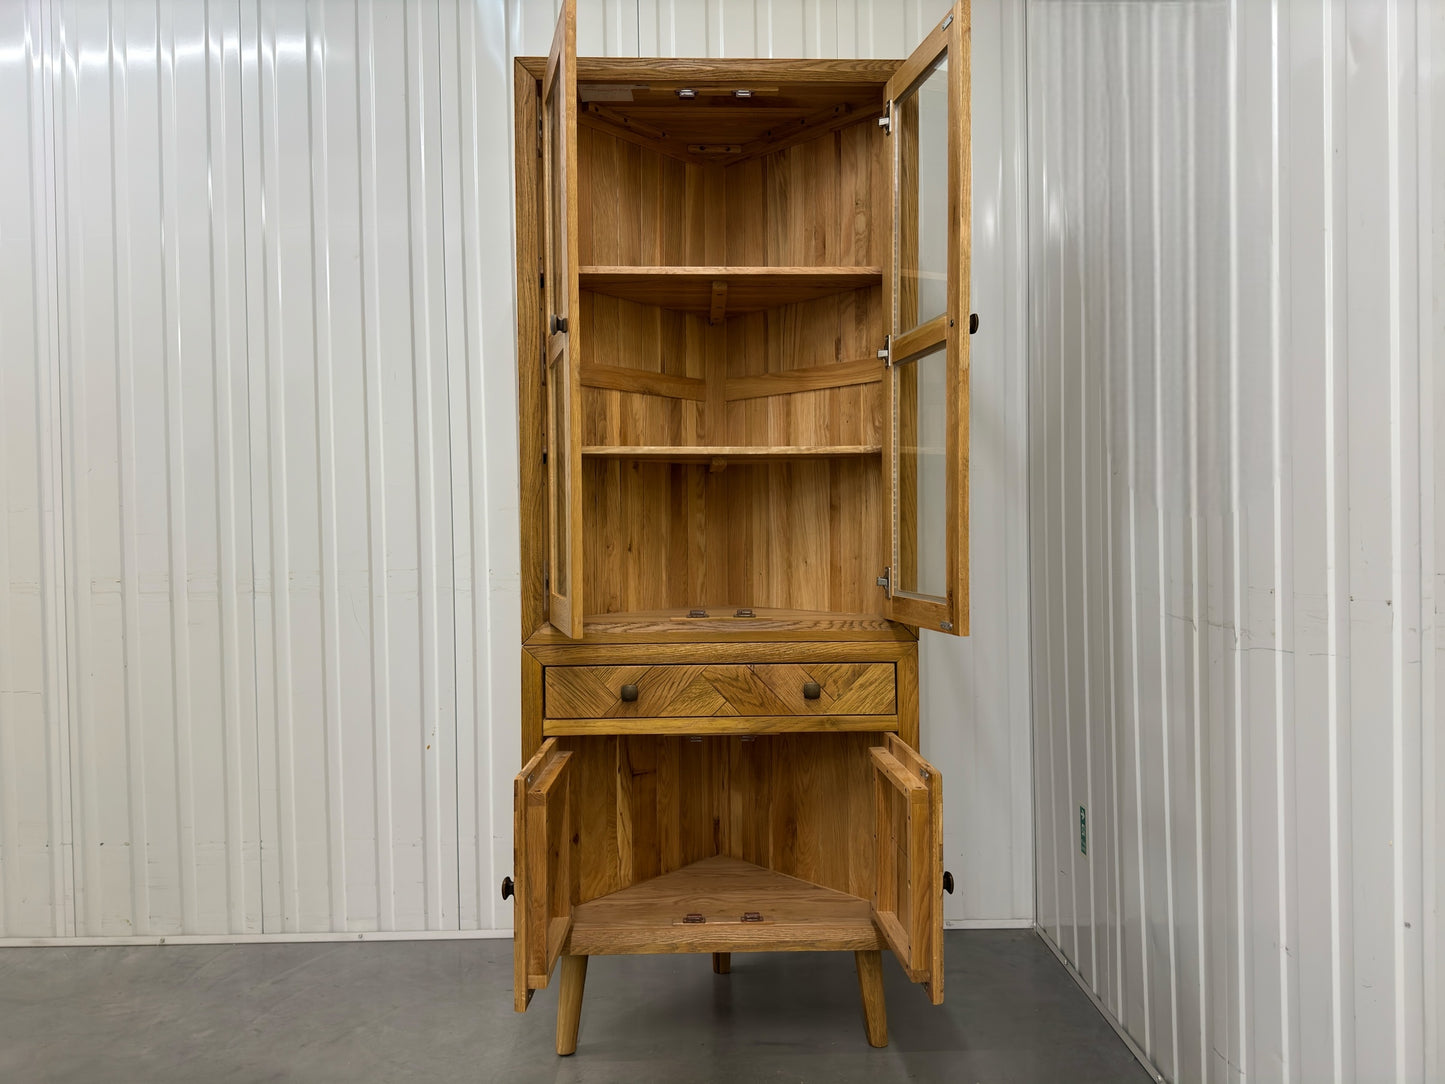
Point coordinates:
[[795, 535], [819, 203], [636, 206], [801, 804]]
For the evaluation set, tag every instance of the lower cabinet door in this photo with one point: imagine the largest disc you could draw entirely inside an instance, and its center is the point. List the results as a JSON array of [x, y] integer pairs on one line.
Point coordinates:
[[542, 866], [908, 890]]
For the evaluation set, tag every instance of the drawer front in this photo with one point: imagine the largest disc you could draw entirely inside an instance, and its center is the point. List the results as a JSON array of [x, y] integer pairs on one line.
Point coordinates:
[[720, 689]]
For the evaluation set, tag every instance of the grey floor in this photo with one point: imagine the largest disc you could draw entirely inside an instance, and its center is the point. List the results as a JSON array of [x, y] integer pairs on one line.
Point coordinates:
[[442, 1010]]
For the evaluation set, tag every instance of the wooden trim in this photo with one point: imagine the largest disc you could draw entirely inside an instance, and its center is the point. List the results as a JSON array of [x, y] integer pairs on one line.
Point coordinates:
[[789, 135], [563, 652], [811, 378], [724, 724], [531, 705], [923, 338], [683, 453], [888, 764], [669, 72], [596, 940], [531, 440], [921, 59], [718, 306], [643, 382], [907, 686]]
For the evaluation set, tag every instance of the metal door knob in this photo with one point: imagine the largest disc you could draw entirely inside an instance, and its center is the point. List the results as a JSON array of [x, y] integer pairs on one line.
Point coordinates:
[[948, 882], [629, 693], [508, 889], [812, 690]]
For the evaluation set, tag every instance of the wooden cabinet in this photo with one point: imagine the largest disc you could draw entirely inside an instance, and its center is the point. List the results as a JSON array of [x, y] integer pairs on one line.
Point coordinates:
[[743, 385]]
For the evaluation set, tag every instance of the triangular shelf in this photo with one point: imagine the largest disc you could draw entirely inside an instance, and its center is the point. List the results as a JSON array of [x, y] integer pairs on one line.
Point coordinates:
[[794, 915]]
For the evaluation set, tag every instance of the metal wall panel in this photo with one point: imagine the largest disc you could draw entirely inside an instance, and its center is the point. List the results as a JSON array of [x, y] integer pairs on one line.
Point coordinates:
[[975, 691], [260, 491], [1235, 251]]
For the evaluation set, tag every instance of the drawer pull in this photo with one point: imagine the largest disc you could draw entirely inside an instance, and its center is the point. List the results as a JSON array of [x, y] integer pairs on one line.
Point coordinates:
[[812, 690], [629, 693]]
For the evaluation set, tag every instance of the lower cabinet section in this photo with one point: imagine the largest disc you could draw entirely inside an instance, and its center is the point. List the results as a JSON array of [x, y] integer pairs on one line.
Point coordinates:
[[640, 843]]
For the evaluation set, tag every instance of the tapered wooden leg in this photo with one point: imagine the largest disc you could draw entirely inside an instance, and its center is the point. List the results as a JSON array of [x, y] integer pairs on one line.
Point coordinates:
[[722, 963], [569, 1002], [870, 982]]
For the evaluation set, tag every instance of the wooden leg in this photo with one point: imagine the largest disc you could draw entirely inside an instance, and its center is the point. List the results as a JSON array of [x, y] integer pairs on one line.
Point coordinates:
[[870, 982], [569, 1002], [722, 963]]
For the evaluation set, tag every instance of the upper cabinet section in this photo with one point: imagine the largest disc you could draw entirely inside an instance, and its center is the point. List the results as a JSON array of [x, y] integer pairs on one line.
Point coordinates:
[[926, 402], [752, 283]]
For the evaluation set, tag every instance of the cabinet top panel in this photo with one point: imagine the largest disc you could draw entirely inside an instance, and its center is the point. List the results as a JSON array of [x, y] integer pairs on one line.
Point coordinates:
[[726, 111]]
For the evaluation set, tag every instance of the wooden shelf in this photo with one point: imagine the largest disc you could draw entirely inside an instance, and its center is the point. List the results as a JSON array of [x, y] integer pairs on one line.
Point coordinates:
[[729, 453], [720, 292], [795, 915]]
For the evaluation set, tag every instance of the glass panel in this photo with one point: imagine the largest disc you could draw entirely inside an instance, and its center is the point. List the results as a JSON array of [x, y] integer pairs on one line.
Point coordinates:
[[920, 474], [558, 462], [922, 233]]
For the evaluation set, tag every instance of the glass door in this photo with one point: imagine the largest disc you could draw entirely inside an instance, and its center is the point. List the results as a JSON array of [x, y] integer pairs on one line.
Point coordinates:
[[926, 407], [560, 294]]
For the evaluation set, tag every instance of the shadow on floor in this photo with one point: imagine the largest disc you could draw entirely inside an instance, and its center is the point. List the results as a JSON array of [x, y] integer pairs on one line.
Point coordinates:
[[442, 1011]]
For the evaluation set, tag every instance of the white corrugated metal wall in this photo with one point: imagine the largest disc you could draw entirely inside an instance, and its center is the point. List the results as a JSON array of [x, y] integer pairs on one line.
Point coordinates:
[[1236, 262], [258, 567], [260, 490]]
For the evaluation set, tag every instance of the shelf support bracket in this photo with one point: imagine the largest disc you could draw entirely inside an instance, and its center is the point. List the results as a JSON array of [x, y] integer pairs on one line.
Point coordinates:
[[719, 301]]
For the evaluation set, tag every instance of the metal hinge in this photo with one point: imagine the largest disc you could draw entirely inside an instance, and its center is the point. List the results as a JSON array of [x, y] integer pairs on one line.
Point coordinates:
[[946, 626], [886, 354], [541, 280], [886, 120], [885, 581]]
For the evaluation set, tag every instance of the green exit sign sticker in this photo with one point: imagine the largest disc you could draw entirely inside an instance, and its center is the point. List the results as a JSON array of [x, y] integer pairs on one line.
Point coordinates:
[[1083, 832]]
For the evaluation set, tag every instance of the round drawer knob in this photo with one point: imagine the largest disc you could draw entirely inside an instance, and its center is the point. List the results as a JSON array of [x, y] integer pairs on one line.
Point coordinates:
[[629, 693], [508, 889], [948, 882], [812, 690]]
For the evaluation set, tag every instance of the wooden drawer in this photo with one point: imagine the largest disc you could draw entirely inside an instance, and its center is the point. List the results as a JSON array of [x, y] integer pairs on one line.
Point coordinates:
[[721, 690]]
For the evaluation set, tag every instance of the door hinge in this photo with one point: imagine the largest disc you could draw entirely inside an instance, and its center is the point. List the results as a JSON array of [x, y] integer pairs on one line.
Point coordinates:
[[886, 120], [886, 354], [542, 280], [885, 581], [557, 324]]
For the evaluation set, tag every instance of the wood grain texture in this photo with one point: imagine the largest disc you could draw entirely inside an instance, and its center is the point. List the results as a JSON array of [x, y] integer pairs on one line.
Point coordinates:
[[710, 454], [531, 436], [870, 984], [619, 378], [794, 915], [723, 724], [811, 378], [668, 73], [872, 640], [746, 289], [544, 888]]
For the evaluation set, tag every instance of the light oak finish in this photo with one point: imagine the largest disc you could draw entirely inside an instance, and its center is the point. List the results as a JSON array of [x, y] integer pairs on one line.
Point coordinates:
[[793, 915], [620, 378], [727, 724], [870, 984], [683, 453], [744, 289], [543, 866], [719, 690], [908, 892], [712, 429], [569, 1003], [813, 378]]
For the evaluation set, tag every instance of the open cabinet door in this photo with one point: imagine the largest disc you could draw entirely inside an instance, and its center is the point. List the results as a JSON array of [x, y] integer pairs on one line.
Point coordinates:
[[561, 298], [908, 885], [542, 864], [926, 401]]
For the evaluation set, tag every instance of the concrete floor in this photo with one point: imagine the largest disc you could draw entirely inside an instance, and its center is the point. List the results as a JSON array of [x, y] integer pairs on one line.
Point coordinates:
[[442, 1010]]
